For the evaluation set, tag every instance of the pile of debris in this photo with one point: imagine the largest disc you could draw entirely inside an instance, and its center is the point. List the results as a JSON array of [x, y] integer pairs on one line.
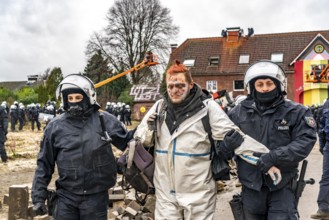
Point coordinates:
[[124, 205]]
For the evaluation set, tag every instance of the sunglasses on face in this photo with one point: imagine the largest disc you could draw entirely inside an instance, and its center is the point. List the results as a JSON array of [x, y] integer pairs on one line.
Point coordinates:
[[176, 85]]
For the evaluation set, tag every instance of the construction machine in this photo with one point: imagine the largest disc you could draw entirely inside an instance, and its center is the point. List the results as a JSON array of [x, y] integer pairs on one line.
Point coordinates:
[[318, 75], [150, 60]]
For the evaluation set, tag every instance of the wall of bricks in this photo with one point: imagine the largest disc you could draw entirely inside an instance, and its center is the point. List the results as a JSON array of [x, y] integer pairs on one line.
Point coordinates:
[[223, 82]]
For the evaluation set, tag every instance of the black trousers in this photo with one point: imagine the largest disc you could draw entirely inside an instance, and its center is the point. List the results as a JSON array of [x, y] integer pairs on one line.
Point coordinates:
[[37, 122], [266, 205], [81, 207]]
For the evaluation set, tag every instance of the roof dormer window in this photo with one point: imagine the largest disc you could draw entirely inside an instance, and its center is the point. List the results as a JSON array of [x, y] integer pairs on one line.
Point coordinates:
[[244, 59], [189, 62], [213, 61], [277, 57]]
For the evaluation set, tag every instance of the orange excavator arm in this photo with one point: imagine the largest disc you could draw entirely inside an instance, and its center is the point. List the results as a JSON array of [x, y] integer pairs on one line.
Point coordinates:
[[318, 77], [148, 61]]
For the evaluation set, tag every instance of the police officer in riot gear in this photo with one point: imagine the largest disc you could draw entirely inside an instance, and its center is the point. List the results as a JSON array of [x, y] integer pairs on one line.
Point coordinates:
[[13, 116], [127, 115], [108, 107], [49, 110], [21, 116], [34, 116], [5, 105], [286, 128], [60, 110], [74, 142]]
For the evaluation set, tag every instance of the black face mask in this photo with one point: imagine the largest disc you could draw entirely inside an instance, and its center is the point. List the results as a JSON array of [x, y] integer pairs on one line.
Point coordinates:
[[267, 97], [77, 109]]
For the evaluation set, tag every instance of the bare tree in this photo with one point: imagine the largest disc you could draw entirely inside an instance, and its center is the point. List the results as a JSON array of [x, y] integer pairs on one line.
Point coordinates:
[[133, 29], [44, 76]]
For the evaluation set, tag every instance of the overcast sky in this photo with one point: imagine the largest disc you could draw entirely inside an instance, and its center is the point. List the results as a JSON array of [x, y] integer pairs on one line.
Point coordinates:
[[40, 34]]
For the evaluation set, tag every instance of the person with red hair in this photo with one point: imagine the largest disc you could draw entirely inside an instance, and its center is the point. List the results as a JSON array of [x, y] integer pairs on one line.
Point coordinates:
[[183, 179]]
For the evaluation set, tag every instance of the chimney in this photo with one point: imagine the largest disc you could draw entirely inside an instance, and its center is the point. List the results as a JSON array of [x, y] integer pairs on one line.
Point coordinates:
[[173, 47], [250, 32], [233, 34]]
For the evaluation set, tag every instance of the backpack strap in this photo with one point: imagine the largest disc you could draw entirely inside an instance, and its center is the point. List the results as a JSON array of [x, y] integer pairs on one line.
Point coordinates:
[[207, 128]]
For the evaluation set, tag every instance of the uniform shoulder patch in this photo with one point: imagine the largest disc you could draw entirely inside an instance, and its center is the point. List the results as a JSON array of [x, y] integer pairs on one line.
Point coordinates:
[[310, 122]]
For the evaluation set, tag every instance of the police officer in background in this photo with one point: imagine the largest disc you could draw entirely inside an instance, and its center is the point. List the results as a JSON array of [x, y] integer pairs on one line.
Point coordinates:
[[108, 107], [74, 142], [60, 110], [3, 132], [127, 115], [286, 128], [5, 105], [21, 116], [49, 111], [34, 116], [13, 115]]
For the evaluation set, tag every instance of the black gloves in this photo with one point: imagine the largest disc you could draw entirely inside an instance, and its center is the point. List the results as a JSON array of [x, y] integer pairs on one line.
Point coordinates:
[[151, 121], [232, 140], [40, 208], [265, 162]]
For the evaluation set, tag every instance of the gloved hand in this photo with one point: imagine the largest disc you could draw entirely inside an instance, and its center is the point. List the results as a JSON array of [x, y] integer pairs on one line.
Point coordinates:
[[221, 149], [265, 162], [232, 140], [321, 150], [151, 121], [40, 208]]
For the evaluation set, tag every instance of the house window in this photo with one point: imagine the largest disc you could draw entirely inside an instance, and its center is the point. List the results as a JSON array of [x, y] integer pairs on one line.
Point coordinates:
[[277, 57], [189, 62], [244, 59], [211, 85], [213, 61], [238, 85]]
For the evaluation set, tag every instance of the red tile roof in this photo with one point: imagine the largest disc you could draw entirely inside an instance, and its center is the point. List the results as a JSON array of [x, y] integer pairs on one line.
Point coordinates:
[[257, 46]]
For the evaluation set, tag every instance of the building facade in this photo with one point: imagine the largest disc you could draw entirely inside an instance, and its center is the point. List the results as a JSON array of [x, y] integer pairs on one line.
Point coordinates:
[[219, 63]]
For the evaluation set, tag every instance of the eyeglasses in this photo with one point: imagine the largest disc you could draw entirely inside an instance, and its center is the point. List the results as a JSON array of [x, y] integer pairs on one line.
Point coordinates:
[[176, 85]]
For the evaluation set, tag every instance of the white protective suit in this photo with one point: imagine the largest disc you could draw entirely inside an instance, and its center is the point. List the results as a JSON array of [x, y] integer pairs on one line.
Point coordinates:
[[183, 179]]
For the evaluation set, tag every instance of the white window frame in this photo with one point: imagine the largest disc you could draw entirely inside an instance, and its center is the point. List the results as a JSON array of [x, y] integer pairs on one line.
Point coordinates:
[[212, 85], [189, 62], [277, 57], [244, 59], [234, 89]]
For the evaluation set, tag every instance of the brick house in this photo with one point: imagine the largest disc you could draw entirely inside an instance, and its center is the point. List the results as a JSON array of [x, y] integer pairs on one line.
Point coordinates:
[[144, 98], [219, 63]]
